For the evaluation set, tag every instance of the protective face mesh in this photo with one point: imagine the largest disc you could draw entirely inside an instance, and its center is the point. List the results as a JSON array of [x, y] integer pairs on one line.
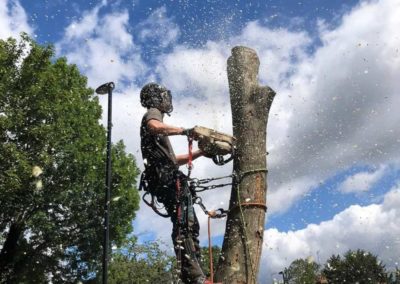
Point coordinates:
[[166, 101]]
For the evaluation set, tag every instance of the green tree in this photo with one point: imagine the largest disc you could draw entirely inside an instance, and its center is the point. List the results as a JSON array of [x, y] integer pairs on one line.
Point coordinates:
[[394, 277], [146, 263], [205, 259], [356, 266], [302, 271], [52, 170]]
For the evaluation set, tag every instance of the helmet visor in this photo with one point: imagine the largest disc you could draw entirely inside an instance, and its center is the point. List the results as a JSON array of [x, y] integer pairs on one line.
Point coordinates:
[[166, 101]]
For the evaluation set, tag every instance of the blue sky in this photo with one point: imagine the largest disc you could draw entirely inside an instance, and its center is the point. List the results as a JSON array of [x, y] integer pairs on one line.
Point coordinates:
[[333, 135], [196, 19]]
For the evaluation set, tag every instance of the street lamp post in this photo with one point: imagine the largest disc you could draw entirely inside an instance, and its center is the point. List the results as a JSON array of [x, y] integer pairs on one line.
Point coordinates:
[[285, 275], [102, 90]]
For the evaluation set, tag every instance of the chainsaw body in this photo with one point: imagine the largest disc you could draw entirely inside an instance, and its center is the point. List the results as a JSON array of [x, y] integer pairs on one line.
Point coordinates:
[[214, 144]]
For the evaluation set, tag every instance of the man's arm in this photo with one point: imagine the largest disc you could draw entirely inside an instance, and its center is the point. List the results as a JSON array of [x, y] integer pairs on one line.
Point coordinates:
[[184, 158], [157, 127]]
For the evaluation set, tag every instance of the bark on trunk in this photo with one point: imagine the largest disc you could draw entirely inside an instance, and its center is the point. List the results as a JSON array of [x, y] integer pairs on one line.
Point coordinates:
[[9, 250], [250, 103]]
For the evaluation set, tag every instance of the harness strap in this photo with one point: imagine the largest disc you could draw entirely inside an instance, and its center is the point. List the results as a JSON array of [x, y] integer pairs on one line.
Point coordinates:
[[190, 160], [152, 205], [178, 219]]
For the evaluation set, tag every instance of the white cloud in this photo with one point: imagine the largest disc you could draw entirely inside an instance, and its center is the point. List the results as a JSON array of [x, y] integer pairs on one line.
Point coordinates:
[[199, 73], [13, 19], [374, 228], [362, 181], [102, 47], [284, 195], [279, 50], [159, 29], [341, 110]]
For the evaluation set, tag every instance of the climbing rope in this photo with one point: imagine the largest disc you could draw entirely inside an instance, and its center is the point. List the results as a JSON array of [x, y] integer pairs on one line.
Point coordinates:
[[210, 251], [214, 214], [154, 205]]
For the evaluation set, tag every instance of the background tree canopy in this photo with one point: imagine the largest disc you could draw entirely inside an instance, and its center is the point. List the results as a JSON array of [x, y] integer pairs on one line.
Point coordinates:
[[150, 263], [302, 271], [142, 263], [356, 266], [52, 169]]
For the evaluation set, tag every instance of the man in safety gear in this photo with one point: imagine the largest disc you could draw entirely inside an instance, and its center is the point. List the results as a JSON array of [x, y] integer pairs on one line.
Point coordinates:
[[164, 180]]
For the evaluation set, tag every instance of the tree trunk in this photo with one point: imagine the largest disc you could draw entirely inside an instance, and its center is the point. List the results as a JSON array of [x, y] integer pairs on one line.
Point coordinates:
[[9, 250], [250, 103]]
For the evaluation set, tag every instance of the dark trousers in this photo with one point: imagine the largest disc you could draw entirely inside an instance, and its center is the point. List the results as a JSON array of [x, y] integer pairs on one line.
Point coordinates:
[[185, 231]]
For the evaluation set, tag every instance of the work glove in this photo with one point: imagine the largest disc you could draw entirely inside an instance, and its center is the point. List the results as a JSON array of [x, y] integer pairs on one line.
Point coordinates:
[[188, 132]]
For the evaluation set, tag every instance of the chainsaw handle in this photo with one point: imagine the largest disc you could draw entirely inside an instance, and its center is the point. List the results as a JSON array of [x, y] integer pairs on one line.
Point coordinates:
[[220, 159]]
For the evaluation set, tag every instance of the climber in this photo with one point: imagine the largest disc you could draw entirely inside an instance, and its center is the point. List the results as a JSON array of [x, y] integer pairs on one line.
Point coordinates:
[[163, 179]]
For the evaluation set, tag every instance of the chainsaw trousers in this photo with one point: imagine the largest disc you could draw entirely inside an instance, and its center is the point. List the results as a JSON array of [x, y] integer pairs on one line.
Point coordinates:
[[185, 231]]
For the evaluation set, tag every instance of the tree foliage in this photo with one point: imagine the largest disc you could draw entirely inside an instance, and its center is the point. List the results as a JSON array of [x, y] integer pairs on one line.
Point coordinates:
[[52, 169], [149, 263], [205, 259], [394, 277], [141, 263], [302, 271], [355, 267]]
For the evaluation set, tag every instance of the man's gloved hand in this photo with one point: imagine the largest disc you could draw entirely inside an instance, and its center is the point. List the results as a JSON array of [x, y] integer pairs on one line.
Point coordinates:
[[188, 132]]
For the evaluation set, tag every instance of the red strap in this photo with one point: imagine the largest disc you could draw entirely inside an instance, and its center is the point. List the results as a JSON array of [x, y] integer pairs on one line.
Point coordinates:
[[178, 196], [190, 164]]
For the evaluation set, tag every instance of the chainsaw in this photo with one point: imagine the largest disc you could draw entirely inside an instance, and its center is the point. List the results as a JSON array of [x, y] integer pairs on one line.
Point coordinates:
[[214, 144]]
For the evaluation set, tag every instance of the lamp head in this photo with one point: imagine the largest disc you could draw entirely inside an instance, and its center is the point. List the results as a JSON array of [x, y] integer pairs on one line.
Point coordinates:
[[103, 89]]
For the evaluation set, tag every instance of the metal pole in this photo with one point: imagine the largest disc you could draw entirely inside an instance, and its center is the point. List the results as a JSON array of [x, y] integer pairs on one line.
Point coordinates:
[[285, 275], [103, 89]]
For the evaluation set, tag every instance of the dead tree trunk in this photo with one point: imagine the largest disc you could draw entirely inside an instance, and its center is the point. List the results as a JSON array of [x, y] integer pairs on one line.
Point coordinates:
[[250, 103]]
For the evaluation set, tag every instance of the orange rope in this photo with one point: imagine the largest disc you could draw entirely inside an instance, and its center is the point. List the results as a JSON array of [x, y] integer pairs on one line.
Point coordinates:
[[210, 250]]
